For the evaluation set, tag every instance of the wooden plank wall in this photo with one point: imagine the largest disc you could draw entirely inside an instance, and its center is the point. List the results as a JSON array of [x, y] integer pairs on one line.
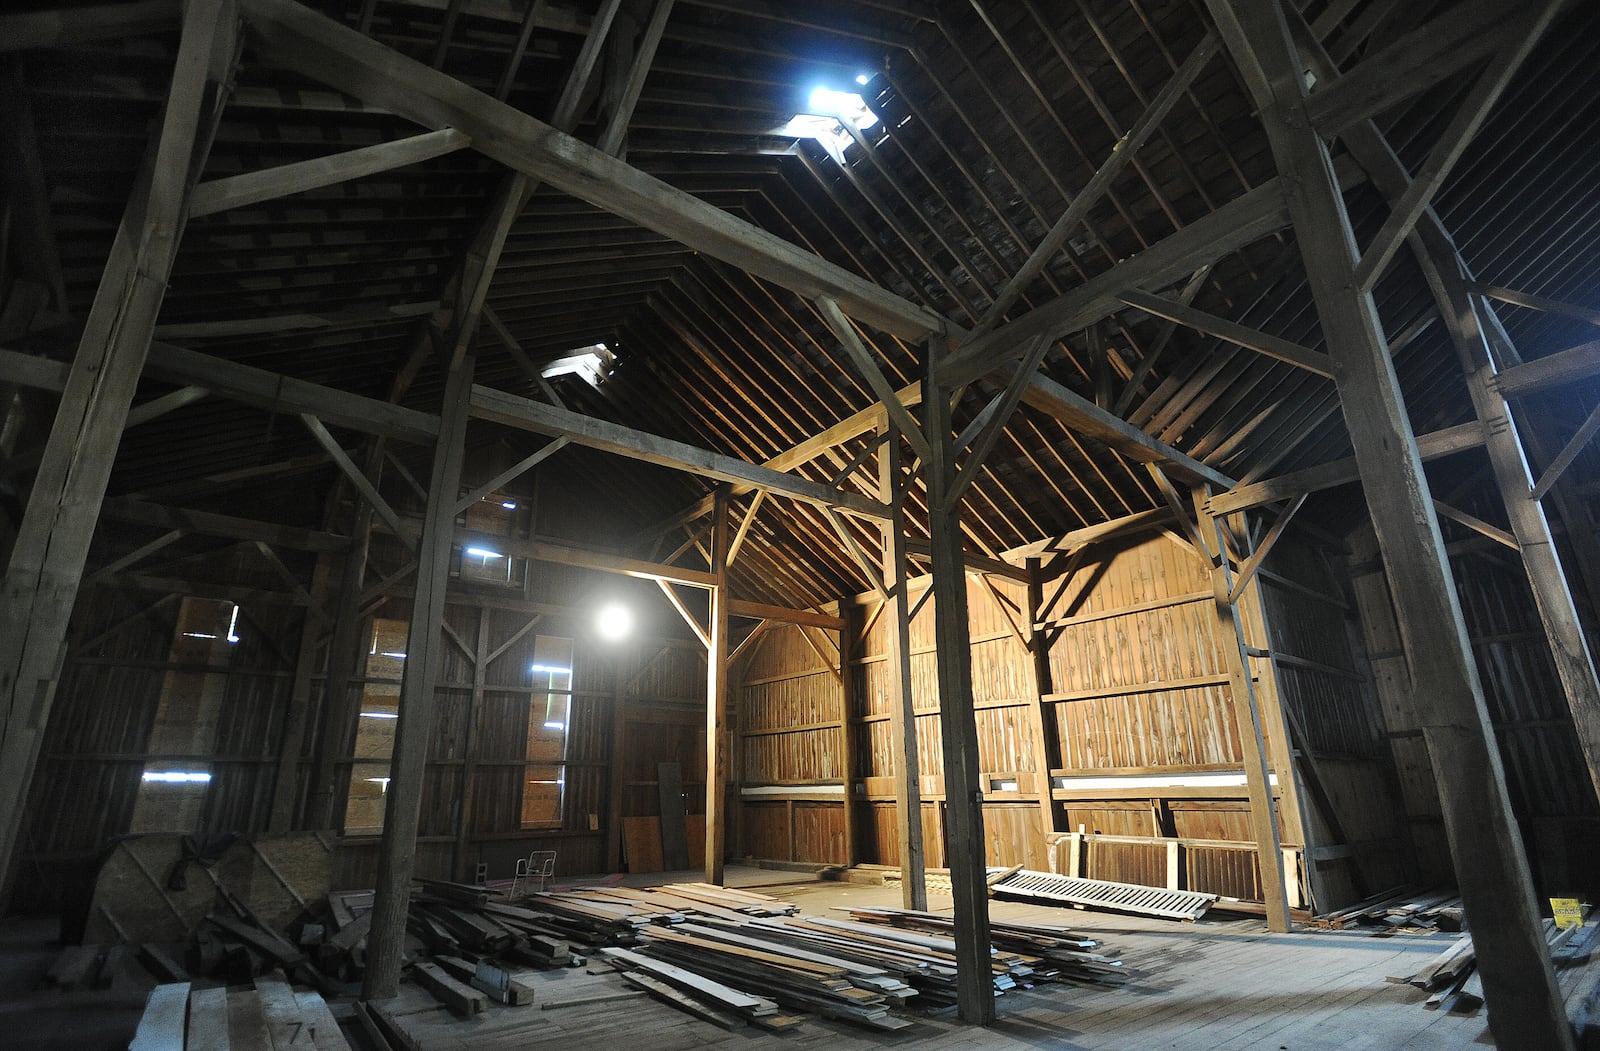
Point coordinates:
[[97, 745], [1545, 772], [792, 757], [1140, 691], [1336, 727]]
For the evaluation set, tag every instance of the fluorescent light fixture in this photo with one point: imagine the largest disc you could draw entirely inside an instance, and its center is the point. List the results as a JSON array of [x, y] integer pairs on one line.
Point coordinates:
[[614, 621], [550, 669], [178, 777], [380, 715], [198, 635], [863, 79], [483, 553], [555, 726], [393, 653], [509, 505], [381, 782], [592, 364], [233, 625]]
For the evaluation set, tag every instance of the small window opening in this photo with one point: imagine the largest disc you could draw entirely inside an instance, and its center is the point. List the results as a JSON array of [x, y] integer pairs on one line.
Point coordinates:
[[828, 118], [592, 364]]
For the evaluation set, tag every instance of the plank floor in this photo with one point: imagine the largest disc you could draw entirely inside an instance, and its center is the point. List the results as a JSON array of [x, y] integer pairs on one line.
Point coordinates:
[[1209, 986]]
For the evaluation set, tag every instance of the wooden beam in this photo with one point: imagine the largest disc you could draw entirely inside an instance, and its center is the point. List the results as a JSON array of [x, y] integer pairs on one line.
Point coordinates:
[[683, 612], [299, 39], [528, 415], [1232, 332], [237, 191], [1431, 446], [1084, 417], [585, 558], [718, 696], [760, 611], [1247, 568], [963, 785], [745, 523], [414, 727], [999, 414], [278, 393], [52, 543], [616, 131], [851, 427], [1540, 303], [138, 554], [516, 470], [1525, 1007], [892, 484], [1258, 213], [1045, 728], [869, 371], [1553, 370], [1522, 33], [1568, 453], [1410, 65], [207, 523], [358, 478], [1246, 716], [70, 26]]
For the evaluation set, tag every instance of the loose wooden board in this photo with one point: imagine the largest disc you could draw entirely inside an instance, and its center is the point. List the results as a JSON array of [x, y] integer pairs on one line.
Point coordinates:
[[641, 840]]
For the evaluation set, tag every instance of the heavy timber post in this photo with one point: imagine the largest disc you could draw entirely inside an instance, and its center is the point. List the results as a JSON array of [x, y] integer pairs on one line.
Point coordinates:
[[414, 729], [717, 694], [1525, 1008], [963, 794], [52, 543], [897, 671]]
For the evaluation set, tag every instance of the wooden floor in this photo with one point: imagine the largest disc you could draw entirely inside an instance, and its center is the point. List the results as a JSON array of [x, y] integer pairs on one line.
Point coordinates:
[[1215, 984], [1212, 985]]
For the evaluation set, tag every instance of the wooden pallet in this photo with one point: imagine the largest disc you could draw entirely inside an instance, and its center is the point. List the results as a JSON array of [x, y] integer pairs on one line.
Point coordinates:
[[1103, 894]]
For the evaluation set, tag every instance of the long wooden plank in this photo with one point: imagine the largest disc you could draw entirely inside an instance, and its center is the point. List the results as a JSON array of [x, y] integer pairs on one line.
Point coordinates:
[[674, 833], [207, 523], [529, 415], [208, 1019], [161, 1027]]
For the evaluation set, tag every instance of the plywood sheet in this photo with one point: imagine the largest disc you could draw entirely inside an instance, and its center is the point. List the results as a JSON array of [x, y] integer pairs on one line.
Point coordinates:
[[641, 841]]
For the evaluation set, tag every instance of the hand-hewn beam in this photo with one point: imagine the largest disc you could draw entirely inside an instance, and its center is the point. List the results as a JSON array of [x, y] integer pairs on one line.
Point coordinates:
[[1415, 62], [298, 38], [80, 25], [783, 615], [414, 728], [522, 413], [1431, 446], [206, 523], [237, 191], [851, 427], [568, 555], [1231, 331], [718, 743], [278, 393], [1242, 221], [516, 470], [1553, 370], [1083, 416], [869, 371]]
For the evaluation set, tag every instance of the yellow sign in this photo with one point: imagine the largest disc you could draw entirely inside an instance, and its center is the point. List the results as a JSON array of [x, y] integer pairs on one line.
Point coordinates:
[[1567, 911]]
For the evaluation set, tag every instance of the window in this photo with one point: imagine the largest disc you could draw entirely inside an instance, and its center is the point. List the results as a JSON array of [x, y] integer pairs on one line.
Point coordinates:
[[592, 364], [828, 118], [549, 712], [380, 709], [483, 557], [172, 790]]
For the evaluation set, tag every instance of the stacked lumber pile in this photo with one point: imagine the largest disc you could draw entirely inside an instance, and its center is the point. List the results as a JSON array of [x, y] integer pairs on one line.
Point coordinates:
[[1452, 980], [1404, 910], [735, 958], [1055, 953], [268, 1014]]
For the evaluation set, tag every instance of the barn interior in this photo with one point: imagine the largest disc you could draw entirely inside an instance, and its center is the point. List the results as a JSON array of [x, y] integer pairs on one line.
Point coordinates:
[[1138, 440]]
